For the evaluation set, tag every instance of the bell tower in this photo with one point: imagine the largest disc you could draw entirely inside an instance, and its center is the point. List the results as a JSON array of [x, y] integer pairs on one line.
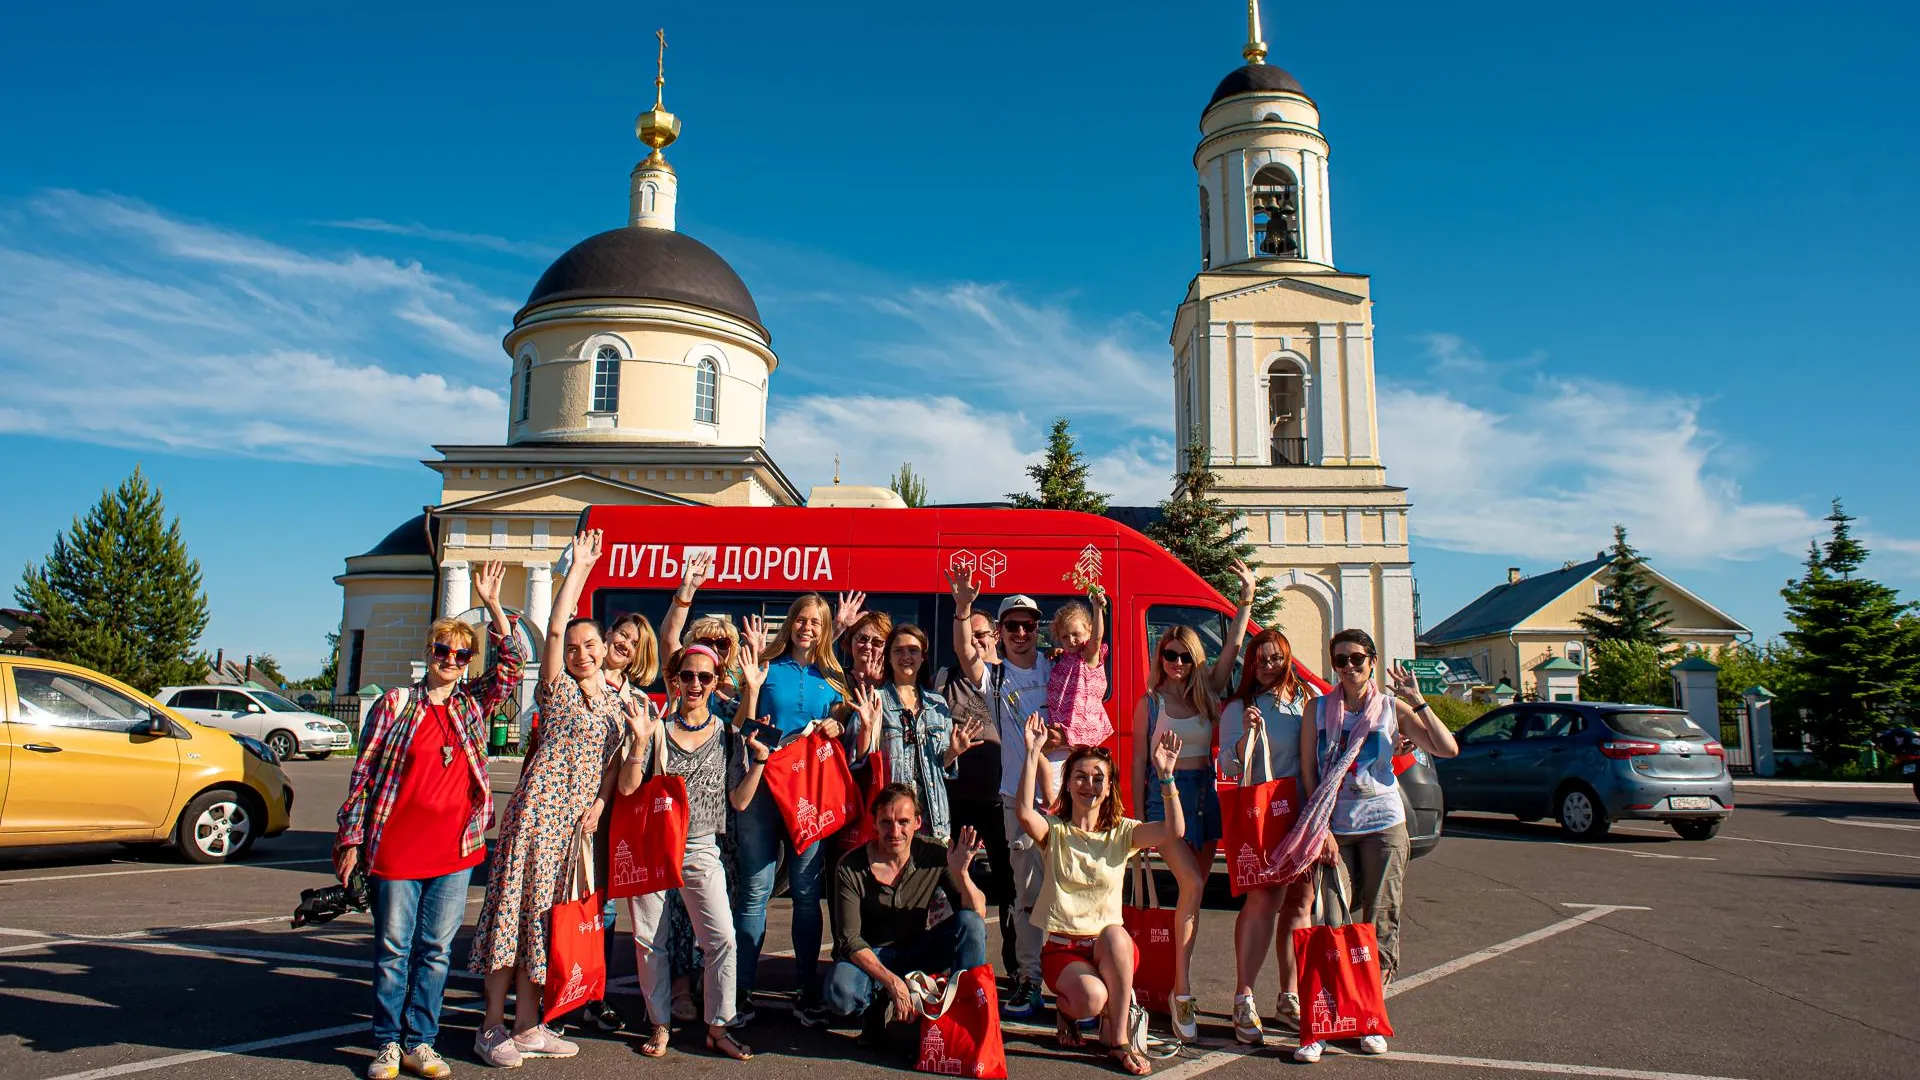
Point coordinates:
[[1273, 367]]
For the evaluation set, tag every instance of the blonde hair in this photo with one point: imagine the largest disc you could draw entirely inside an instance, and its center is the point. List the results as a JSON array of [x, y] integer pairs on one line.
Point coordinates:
[[645, 665], [1198, 698], [822, 656], [1070, 612], [454, 628]]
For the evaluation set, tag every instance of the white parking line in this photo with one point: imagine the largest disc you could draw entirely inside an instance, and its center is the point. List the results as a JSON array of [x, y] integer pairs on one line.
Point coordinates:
[[163, 870], [1869, 823], [1784, 843], [1547, 1067], [203, 1055], [1581, 847]]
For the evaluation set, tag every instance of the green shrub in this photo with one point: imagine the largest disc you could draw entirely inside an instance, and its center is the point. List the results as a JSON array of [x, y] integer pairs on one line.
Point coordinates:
[[1454, 713]]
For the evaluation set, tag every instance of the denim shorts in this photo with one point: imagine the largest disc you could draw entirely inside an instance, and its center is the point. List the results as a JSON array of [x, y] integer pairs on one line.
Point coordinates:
[[1199, 805]]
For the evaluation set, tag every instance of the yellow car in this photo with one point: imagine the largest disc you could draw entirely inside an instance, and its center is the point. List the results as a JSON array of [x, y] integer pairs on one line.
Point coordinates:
[[85, 758]]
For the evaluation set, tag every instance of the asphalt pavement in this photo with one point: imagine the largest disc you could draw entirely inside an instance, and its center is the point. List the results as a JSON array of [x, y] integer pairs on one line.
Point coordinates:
[[1787, 947]]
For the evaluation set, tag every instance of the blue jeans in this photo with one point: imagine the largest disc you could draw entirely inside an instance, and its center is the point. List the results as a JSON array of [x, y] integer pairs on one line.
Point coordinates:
[[413, 927], [762, 835], [959, 944], [1199, 804]]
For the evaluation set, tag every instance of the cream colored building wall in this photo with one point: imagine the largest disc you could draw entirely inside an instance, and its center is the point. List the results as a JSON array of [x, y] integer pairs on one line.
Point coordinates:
[[719, 487], [1691, 619], [393, 615]]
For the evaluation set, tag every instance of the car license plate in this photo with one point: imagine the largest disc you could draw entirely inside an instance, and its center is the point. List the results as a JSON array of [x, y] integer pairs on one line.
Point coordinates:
[[1690, 802], [1910, 768]]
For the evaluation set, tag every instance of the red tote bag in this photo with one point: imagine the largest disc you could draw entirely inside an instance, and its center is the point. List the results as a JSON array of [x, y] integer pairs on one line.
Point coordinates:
[[576, 964], [1255, 819], [1341, 996], [647, 836], [960, 1025], [810, 783], [868, 778], [1151, 927]]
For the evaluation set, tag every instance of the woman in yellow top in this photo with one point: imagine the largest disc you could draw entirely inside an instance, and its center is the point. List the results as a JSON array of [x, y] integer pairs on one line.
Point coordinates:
[[1088, 958]]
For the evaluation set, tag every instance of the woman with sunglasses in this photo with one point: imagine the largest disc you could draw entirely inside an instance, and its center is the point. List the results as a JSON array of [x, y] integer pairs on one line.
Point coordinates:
[[1359, 723], [564, 788], [907, 723], [1267, 710], [417, 809], [1177, 702], [1088, 957], [720, 769]]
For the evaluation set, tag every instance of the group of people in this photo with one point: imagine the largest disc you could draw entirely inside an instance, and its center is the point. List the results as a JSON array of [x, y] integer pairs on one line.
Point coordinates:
[[998, 759]]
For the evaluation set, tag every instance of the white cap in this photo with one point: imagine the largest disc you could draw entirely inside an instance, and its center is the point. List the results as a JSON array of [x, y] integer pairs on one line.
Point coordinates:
[[1018, 602]]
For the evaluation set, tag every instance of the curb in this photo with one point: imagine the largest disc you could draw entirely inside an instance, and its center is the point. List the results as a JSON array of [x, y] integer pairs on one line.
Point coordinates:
[[1823, 785]]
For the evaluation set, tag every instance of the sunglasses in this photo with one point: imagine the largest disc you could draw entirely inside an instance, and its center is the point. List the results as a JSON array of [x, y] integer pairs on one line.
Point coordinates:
[[442, 650], [717, 644], [1175, 656], [692, 677], [1022, 627], [868, 641], [1351, 660]]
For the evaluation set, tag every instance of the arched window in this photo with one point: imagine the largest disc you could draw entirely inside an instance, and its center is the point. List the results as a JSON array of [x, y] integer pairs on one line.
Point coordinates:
[[649, 196], [1287, 413], [1206, 233], [526, 387], [1275, 210], [706, 389], [606, 380], [1577, 653]]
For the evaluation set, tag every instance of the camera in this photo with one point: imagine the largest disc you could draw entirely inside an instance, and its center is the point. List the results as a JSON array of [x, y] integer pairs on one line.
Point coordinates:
[[318, 906]]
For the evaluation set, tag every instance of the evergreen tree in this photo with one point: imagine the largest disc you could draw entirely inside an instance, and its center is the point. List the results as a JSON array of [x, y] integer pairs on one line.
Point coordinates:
[[1629, 672], [1060, 478], [1855, 643], [1200, 531], [119, 593], [1627, 609], [909, 485]]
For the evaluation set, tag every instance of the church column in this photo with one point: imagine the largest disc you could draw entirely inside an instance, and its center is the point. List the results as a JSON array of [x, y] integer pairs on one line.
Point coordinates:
[[1329, 410], [456, 588], [1356, 602], [539, 605], [1250, 437], [1359, 393], [1219, 418], [1396, 613], [1326, 215]]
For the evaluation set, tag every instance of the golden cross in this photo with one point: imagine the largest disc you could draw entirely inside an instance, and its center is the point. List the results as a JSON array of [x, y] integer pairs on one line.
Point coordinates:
[[660, 77]]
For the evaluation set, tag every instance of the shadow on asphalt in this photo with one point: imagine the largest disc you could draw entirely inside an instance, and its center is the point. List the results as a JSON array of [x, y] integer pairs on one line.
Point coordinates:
[[1800, 805], [1879, 881], [1541, 832]]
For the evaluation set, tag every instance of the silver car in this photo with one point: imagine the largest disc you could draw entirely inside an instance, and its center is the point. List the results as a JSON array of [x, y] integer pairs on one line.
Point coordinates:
[[286, 728], [1589, 764]]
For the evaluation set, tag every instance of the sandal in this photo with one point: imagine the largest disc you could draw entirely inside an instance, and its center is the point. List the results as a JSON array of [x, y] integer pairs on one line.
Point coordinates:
[[1131, 1061], [726, 1045], [656, 1044], [1067, 1030]]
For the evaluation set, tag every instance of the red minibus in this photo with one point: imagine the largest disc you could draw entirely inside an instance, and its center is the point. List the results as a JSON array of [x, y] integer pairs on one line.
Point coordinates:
[[764, 557]]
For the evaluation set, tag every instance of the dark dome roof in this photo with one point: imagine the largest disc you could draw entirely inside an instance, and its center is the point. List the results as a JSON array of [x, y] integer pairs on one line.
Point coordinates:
[[636, 263], [1256, 79], [409, 539]]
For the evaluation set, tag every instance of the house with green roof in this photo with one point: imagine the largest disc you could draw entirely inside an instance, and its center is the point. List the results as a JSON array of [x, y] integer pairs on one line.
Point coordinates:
[[1513, 630]]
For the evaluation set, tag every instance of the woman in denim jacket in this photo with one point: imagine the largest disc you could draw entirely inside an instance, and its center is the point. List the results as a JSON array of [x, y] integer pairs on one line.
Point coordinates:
[[910, 725]]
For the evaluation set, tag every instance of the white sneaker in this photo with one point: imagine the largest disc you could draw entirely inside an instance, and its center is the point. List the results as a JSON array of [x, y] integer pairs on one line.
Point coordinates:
[[1286, 1010], [423, 1062], [540, 1041], [1309, 1053], [386, 1063], [495, 1047], [1373, 1044], [1246, 1022], [1186, 1017]]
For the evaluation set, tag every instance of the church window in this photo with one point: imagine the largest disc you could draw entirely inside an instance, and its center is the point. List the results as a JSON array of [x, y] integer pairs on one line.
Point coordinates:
[[1287, 414], [606, 380], [649, 197], [1276, 213], [1206, 233], [706, 389], [526, 387]]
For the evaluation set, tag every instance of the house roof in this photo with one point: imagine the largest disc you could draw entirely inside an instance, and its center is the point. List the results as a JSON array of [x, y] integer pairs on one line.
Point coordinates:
[[1696, 663], [1556, 663], [1503, 607]]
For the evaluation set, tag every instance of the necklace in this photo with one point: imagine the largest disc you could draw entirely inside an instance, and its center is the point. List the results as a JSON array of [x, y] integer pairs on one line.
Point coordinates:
[[680, 721]]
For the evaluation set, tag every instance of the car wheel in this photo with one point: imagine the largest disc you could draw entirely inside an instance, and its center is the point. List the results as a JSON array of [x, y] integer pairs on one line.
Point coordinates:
[[216, 827], [1582, 815], [319, 755], [1697, 830], [283, 744]]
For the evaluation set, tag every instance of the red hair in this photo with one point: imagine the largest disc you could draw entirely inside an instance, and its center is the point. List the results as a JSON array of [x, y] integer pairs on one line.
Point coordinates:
[[1289, 686]]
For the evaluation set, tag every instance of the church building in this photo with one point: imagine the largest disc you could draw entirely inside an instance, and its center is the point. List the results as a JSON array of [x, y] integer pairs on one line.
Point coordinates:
[[1273, 368]]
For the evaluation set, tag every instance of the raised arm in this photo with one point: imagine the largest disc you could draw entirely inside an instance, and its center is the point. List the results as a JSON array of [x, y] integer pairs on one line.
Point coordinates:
[[1417, 719], [498, 681], [1031, 820], [1220, 679], [753, 668], [1166, 754], [959, 858], [1310, 747], [972, 665], [1090, 652], [640, 736], [847, 611], [698, 567], [586, 552]]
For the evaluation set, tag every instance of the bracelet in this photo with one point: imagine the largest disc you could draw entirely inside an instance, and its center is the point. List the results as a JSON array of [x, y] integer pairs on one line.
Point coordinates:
[[677, 602], [1422, 705], [1168, 782]]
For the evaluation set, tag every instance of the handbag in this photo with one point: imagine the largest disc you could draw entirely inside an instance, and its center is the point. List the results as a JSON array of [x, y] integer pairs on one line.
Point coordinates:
[[959, 1024], [1341, 994], [647, 833], [576, 963], [1152, 929], [1256, 818], [809, 781]]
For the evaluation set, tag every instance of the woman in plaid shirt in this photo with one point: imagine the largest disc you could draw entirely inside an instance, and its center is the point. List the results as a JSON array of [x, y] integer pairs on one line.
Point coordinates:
[[417, 811]]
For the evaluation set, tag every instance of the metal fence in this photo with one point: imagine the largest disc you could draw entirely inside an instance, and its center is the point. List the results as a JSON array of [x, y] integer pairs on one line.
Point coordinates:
[[1736, 726]]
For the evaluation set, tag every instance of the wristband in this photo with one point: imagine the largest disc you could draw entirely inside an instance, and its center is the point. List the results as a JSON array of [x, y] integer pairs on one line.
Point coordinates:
[[1422, 705], [1168, 782], [677, 602]]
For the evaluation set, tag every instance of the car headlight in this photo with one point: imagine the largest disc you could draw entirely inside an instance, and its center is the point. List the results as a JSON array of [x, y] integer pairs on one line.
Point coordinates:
[[319, 725], [255, 747]]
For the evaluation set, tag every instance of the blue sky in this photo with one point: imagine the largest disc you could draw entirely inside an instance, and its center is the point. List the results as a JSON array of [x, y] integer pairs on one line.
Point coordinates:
[[1641, 263]]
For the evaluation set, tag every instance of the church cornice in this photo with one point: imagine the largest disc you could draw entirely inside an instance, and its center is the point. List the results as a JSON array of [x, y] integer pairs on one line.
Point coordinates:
[[622, 455], [670, 316], [1276, 127], [1296, 285]]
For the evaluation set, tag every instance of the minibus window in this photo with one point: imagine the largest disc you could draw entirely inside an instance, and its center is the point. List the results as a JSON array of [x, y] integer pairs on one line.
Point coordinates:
[[1211, 625], [942, 629]]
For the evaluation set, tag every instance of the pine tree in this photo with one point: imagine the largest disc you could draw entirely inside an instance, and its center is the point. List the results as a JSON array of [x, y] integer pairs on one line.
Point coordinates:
[[119, 593], [1060, 478], [1855, 644], [1627, 609], [909, 485], [1200, 531], [1629, 672]]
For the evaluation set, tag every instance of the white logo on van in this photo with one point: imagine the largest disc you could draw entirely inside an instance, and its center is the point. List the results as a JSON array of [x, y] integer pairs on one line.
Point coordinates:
[[988, 564]]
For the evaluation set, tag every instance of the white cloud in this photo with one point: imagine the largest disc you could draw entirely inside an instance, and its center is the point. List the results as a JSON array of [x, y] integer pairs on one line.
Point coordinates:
[[446, 236], [122, 325], [1548, 472]]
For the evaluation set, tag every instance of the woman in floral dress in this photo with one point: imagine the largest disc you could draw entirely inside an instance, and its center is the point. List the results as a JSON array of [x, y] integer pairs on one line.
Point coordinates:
[[564, 788]]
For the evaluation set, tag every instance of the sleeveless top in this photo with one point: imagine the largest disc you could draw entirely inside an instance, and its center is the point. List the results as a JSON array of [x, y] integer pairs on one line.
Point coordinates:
[[1196, 734], [1369, 799]]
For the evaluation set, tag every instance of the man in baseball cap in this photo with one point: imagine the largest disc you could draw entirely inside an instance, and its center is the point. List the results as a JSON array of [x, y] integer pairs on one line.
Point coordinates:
[[1019, 602]]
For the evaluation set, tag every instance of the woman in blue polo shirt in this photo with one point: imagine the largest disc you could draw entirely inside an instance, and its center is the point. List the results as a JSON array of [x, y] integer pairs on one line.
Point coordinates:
[[791, 683]]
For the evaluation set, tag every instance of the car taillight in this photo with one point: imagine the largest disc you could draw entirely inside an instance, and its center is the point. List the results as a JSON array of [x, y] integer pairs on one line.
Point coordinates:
[[1717, 750], [1621, 749]]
